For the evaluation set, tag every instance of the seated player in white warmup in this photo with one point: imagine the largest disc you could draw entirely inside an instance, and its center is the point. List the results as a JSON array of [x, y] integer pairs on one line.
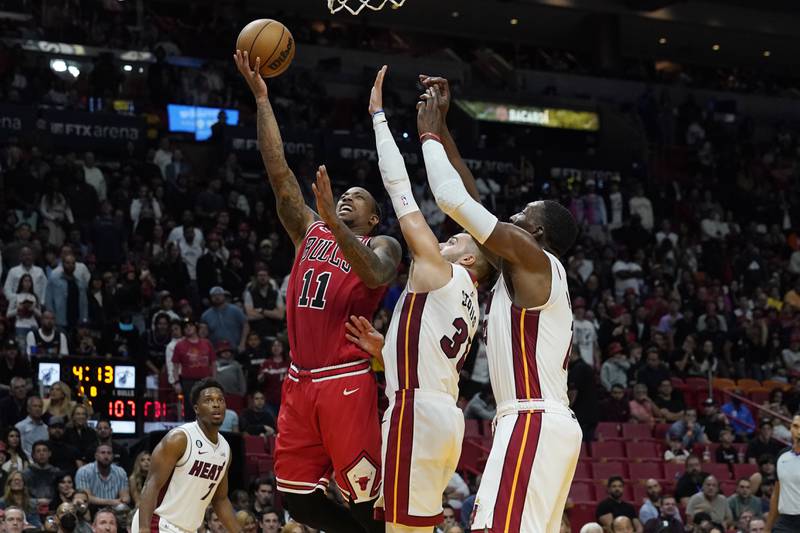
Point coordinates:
[[429, 336], [194, 459], [529, 337]]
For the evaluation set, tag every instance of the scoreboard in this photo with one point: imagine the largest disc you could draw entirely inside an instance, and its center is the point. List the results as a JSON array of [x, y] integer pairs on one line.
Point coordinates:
[[115, 387]]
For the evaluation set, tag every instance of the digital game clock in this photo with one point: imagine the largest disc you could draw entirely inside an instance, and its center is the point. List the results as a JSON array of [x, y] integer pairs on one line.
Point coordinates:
[[113, 387]]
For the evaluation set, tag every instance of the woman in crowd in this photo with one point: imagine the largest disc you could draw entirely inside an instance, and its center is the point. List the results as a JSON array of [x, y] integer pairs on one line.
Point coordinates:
[[16, 494], [247, 521], [56, 212], [17, 460], [24, 308], [78, 433], [273, 372], [64, 491], [60, 402], [140, 469]]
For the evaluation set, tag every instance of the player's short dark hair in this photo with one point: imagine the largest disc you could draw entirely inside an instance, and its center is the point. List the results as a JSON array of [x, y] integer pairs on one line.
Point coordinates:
[[612, 479], [561, 229], [203, 384], [41, 443]]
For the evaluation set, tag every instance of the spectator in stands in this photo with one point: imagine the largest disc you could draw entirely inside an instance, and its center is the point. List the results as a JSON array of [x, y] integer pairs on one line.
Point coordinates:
[[212, 264], [80, 499], [270, 521], [615, 369], [654, 372], [448, 518], [16, 494], [710, 501], [46, 340], [739, 415], [105, 435], [94, 176], [615, 408], [64, 490], [763, 444], [14, 407], [194, 358], [105, 521], [592, 527], [482, 406], [78, 433], [713, 421], [744, 501], [668, 519], [642, 407], [225, 321], [687, 429], [257, 419], [13, 364], [40, 476], [32, 428], [650, 507], [263, 304], [16, 458], [691, 482], [614, 506], [677, 452], [727, 452], [585, 332], [582, 394], [229, 371], [757, 526], [63, 455], [26, 266], [67, 296], [263, 490], [273, 369], [106, 483], [670, 402], [24, 308], [622, 524], [141, 467]]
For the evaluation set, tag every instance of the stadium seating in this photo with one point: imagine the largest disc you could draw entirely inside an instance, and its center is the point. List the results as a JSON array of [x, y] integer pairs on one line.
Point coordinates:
[[646, 470], [744, 470], [643, 450], [603, 471], [609, 449], [606, 430], [636, 431]]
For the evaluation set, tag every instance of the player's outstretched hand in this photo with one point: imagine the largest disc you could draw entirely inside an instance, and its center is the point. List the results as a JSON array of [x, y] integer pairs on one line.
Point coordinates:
[[444, 91], [254, 80], [429, 117], [361, 333], [376, 95], [324, 195]]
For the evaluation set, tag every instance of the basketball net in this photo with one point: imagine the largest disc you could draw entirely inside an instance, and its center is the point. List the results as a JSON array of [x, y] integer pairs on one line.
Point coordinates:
[[375, 5]]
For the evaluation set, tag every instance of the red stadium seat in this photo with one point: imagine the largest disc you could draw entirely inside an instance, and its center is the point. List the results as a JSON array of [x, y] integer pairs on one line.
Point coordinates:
[[584, 451], [235, 402], [643, 450], [721, 471], [645, 470], [582, 491], [473, 458], [607, 430], [748, 384], [673, 471], [697, 383], [583, 470], [581, 514], [603, 471], [678, 383], [660, 431], [727, 487], [633, 430], [744, 470], [758, 395], [266, 466], [608, 449], [254, 445], [639, 492]]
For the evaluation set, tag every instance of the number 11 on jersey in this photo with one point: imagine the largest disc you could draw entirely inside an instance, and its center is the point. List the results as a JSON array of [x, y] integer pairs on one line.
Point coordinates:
[[318, 301]]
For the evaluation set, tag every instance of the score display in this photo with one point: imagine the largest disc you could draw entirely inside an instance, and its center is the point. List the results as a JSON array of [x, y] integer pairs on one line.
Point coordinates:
[[114, 388]]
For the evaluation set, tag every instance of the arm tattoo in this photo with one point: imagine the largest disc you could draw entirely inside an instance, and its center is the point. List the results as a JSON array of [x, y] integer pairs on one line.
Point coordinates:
[[373, 268], [295, 215]]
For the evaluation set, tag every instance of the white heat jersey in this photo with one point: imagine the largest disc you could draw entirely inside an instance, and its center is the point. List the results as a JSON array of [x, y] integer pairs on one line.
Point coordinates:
[[195, 479], [528, 349], [430, 335]]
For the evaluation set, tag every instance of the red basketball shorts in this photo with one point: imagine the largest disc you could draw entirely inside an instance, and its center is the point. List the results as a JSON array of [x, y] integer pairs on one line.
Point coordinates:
[[328, 423]]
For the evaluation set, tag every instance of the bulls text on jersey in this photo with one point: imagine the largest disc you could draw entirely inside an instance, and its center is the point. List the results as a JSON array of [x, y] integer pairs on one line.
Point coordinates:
[[324, 251]]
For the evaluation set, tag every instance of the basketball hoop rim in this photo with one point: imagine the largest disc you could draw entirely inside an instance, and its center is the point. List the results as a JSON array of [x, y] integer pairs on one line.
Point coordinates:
[[334, 6]]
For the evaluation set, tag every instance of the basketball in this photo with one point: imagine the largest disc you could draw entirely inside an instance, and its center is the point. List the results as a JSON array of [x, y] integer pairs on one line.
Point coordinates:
[[271, 41]]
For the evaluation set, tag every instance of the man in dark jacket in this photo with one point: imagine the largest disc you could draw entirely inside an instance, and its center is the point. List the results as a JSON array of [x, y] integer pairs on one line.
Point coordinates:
[[582, 394]]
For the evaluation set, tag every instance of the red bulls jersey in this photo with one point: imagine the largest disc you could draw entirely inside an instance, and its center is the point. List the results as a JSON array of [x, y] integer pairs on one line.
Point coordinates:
[[323, 292]]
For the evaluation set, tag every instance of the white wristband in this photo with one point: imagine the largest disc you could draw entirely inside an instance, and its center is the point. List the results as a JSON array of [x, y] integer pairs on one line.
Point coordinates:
[[393, 169]]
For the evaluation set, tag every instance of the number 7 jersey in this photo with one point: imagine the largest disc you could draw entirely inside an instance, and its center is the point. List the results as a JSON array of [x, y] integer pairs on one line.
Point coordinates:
[[430, 335], [322, 293]]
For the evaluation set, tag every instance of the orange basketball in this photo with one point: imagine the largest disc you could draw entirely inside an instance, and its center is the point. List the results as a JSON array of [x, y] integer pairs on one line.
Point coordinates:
[[271, 41]]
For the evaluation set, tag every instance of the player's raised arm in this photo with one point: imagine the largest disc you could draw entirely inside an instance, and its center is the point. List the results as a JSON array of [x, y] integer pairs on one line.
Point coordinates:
[[510, 242], [375, 263], [430, 270], [295, 215], [162, 464]]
